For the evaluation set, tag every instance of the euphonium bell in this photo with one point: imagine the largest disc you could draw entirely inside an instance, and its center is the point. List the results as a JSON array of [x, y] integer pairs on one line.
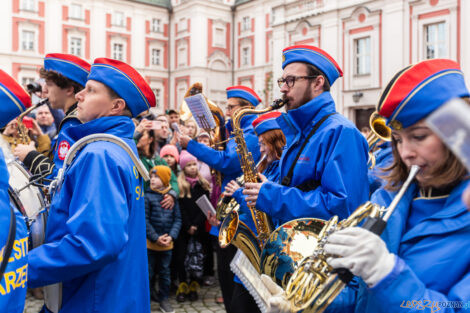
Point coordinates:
[[379, 131], [314, 285]]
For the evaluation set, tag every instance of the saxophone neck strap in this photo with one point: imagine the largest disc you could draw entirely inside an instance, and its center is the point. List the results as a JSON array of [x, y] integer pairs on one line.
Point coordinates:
[[109, 138], [288, 178]]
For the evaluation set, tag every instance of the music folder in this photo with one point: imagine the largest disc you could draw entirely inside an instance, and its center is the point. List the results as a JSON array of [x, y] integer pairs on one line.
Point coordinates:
[[205, 205]]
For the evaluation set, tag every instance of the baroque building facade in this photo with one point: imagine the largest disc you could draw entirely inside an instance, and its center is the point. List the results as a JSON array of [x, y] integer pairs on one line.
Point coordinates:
[[226, 42]]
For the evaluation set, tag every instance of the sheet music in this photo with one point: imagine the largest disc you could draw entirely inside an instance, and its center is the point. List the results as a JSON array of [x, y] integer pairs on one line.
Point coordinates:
[[451, 123], [251, 279], [200, 109], [205, 205]]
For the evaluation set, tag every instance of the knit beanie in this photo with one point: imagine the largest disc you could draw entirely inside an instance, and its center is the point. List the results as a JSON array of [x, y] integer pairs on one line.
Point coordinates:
[[185, 158], [163, 172], [170, 150]]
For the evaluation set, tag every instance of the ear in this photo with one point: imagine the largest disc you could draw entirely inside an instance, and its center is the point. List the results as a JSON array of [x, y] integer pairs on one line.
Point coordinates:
[[318, 83], [70, 91], [118, 106]]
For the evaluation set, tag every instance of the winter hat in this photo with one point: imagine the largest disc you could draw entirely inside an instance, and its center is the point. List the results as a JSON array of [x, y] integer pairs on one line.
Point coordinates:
[[170, 150], [163, 172], [185, 158]]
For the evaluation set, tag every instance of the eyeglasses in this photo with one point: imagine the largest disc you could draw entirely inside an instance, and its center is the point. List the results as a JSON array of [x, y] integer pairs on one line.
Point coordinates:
[[290, 80], [232, 107]]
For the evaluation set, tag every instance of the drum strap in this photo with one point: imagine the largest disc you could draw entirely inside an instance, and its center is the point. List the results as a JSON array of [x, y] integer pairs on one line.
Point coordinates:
[[9, 243], [109, 138]]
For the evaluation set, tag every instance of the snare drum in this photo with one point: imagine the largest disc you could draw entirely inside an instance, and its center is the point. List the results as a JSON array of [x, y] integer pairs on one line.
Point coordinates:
[[29, 200]]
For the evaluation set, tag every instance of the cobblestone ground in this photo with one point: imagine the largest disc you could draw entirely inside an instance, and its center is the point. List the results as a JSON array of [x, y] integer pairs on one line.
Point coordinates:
[[205, 304]]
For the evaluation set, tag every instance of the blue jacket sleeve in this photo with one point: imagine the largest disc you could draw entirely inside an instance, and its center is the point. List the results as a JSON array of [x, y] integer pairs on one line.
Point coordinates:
[[343, 184], [175, 229], [150, 230], [96, 228], [225, 161], [402, 285]]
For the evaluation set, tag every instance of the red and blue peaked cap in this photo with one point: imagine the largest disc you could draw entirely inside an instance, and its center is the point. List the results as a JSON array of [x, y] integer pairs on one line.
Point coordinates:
[[14, 100], [125, 81], [315, 56], [418, 90], [68, 65], [245, 93], [266, 122]]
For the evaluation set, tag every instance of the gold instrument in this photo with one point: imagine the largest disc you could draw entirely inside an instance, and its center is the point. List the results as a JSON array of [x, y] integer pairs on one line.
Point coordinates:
[[22, 129], [227, 204], [233, 231], [378, 131], [314, 285]]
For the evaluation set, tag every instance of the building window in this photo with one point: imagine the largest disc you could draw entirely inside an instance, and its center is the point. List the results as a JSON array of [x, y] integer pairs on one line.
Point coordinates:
[[155, 56], [245, 56], [246, 23], [76, 11], [27, 40], [182, 25], [435, 41], [76, 46], [156, 25], [118, 51], [219, 37], [118, 19], [28, 5], [362, 57], [27, 80], [157, 93], [182, 56]]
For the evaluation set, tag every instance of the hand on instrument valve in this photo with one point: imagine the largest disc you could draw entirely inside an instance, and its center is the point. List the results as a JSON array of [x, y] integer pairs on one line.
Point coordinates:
[[21, 151], [362, 252], [231, 187], [277, 303], [168, 202], [252, 190]]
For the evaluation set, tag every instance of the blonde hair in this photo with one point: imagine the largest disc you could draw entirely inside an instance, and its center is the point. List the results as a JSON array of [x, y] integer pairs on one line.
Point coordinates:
[[185, 187]]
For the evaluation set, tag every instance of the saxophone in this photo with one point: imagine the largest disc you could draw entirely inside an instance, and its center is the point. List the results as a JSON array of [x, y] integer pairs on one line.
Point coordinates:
[[22, 129], [233, 231]]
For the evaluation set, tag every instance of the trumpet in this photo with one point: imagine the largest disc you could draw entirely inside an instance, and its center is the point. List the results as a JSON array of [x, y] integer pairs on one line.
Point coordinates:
[[379, 131], [314, 285]]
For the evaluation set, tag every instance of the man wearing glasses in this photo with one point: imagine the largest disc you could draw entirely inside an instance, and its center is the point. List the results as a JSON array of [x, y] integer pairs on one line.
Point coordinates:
[[323, 169]]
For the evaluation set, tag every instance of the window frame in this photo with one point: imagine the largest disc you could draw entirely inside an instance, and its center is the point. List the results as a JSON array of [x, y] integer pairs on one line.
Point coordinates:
[[437, 41], [32, 40], [367, 55], [114, 52]]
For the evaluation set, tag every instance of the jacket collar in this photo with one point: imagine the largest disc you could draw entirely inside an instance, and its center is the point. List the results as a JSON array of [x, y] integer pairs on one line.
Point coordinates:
[[120, 126], [245, 123], [300, 120], [451, 217]]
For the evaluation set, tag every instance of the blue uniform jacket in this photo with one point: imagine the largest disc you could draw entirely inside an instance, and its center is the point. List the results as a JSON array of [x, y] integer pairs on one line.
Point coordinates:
[[227, 161], [95, 237], [383, 159], [13, 284], [336, 156], [433, 263]]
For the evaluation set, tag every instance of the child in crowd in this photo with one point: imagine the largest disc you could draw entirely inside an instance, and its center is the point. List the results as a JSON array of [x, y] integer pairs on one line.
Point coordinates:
[[192, 186], [163, 226], [170, 154]]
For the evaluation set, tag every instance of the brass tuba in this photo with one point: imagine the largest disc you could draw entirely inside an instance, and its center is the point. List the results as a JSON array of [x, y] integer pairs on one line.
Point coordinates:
[[378, 131], [314, 285], [233, 231]]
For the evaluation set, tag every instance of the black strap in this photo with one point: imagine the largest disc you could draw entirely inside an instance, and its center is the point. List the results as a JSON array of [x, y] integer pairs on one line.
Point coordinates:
[[288, 178], [9, 244]]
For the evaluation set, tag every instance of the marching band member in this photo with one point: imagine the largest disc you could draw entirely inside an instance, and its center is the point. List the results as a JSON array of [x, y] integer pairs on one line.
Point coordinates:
[[271, 141], [418, 262], [326, 156], [228, 164], [14, 100], [65, 76], [95, 238]]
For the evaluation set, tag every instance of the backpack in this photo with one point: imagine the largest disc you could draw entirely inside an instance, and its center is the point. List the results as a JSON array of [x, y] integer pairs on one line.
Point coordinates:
[[194, 259]]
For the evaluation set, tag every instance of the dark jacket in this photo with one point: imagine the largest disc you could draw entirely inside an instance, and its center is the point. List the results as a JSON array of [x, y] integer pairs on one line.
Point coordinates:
[[191, 214], [160, 221]]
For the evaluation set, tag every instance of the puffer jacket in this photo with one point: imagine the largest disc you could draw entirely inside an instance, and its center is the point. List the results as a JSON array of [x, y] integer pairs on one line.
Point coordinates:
[[158, 220]]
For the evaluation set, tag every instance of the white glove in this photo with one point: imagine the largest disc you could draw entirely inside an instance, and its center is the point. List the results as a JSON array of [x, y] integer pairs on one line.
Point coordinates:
[[277, 303], [362, 252]]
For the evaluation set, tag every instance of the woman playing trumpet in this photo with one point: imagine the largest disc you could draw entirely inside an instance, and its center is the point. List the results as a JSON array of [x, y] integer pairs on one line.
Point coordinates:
[[419, 261]]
